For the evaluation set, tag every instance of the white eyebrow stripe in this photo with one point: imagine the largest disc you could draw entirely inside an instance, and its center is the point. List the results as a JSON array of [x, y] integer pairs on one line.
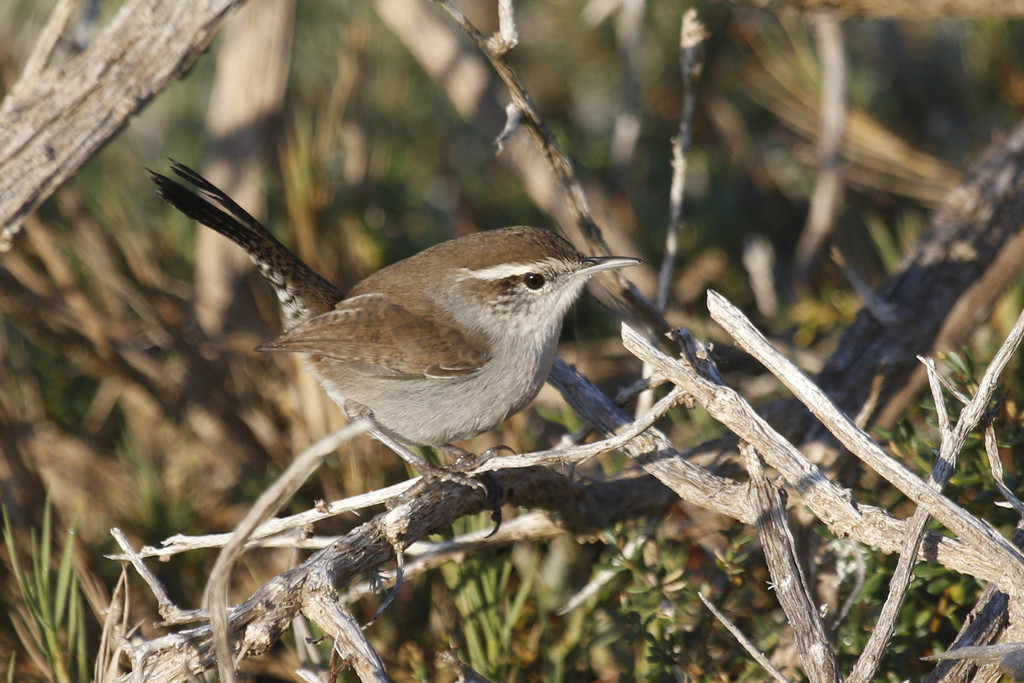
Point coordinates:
[[504, 270]]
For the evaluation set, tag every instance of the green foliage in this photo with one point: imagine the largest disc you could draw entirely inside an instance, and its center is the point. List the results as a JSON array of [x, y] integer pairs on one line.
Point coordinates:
[[490, 606], [652, 613], [49, 619]]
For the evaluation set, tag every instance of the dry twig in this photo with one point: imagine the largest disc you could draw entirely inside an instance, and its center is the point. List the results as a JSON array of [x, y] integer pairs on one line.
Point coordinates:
[[816, 654]]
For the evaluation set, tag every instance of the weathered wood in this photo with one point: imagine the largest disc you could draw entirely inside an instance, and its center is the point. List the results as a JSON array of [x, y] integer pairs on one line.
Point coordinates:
[[55, 121], [984, 214]]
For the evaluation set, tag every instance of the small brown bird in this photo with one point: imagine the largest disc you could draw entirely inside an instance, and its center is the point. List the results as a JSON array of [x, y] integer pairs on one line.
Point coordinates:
[[436, 348]]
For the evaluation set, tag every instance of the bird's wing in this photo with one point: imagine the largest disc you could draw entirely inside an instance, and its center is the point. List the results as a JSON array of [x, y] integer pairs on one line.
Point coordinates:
[[380, 337]]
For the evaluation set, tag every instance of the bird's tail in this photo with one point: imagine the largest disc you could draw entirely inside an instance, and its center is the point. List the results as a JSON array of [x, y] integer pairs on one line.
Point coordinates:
[[301, 291]]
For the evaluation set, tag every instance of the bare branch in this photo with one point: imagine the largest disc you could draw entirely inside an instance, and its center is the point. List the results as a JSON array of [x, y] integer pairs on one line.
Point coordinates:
[[914, 9], [652, 450], [871, 655], [272, 533], [816, 654], [259, 621], [833, 505], [995, 463], [972, 414], [561, 168], [168, 610], [827, 195], [53, 122], [968, 527], [264, 534], [424, 556]]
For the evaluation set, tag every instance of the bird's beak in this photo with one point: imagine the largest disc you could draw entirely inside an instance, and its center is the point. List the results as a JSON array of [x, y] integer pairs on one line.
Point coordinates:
[[596, 264]]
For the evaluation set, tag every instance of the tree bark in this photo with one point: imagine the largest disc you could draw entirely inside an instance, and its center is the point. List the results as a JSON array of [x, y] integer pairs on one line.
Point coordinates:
[[53, 122]]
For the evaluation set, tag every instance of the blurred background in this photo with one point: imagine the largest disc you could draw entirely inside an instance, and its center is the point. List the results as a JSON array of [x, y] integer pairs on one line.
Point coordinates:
[[363, 132]]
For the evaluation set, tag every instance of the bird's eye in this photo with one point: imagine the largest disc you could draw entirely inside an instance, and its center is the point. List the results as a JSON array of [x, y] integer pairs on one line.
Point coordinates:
[[533, 280]]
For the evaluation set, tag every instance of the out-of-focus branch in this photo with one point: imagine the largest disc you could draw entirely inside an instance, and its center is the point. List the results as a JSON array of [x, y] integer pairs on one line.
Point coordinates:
[[828, 185], [692, 36], [758, 656], [980, 218], [53, 123], [913, 9], [628, 39], [244, 112]]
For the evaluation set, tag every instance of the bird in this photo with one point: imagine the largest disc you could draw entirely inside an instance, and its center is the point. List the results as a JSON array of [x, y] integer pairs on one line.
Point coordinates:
[[433, 349]]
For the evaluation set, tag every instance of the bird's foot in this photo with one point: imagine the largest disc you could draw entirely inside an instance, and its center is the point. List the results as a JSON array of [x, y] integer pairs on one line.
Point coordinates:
[[456, 473], [451, 474], [466, 461]]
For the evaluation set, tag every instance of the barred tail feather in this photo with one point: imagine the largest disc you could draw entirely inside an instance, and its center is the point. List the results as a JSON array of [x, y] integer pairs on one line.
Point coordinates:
[[301, 291]]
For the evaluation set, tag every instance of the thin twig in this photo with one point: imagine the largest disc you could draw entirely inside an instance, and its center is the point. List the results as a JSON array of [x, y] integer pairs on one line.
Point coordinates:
[[871, 655], [692, 36], [849, 547], [114, 631], [972, 415], [742, 639], [532, 121], [45, 45], [996, 465], [426, 555], [271, 534], [168, 610], [601, 578], [935, 386], [269, 502]]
